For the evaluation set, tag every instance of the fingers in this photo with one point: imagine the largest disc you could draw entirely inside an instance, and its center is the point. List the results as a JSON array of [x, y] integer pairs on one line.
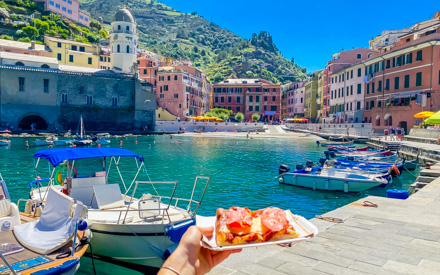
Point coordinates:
[[207, 231]]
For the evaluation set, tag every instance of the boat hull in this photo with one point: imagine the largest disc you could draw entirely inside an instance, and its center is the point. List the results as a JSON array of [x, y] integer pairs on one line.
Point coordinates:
[[327, 183], [138, 244]]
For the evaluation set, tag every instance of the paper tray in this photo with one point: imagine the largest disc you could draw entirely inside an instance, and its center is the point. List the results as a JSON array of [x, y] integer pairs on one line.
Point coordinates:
[[305, 228]]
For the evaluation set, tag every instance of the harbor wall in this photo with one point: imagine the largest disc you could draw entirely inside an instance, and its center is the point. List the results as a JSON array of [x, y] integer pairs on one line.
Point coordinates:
[[173, 126], [354, 129]]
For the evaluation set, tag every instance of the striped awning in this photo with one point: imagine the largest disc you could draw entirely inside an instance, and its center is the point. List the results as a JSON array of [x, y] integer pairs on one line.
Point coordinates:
[[387, 116]]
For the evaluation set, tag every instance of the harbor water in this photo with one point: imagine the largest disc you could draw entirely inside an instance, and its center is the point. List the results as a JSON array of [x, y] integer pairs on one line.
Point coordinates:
[[242, 173]]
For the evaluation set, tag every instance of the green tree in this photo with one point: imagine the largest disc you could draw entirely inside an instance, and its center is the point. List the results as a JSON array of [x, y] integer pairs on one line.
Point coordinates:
[[95, 24], [239, 117], [30, 31], [255, 117]]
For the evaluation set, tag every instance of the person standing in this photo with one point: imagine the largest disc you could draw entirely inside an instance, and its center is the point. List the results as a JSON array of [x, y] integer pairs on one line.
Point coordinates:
[[385, 133], [393, 132], [399, 133]]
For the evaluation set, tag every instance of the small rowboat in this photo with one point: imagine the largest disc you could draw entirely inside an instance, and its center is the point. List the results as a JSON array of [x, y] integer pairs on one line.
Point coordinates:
[[65, 142], [335, 143], [103, 141], [46, 142], [5, 142], [348, 148]]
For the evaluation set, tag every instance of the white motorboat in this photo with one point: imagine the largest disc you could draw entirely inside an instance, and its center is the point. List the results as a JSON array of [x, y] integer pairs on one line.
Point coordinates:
[[332, 180], [140, 231]]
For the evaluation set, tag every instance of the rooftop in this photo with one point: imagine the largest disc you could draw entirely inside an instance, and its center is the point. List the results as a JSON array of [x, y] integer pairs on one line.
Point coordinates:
[[245, 81], [124, 15], [28, 57], [67, 41], [21, 45]]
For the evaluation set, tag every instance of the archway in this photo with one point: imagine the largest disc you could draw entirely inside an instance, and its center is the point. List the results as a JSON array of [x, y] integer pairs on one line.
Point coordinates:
[[26, 123]]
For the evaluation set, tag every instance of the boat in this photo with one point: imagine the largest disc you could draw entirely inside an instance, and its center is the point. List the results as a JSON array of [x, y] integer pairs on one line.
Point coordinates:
[[5, 131], [335, 143], [5, 142], [390, 158], [82, 140], [331, 180], [63, 142], [103, 141], [347, 148], [136, 230], [361, 155], [394, 169], [50, 243], [46, 142], [411, 165]]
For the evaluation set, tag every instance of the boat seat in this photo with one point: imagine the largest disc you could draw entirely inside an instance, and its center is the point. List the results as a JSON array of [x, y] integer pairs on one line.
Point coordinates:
[[55, 227], [9, 215], [109, 217], [108, 196], [148, 204]]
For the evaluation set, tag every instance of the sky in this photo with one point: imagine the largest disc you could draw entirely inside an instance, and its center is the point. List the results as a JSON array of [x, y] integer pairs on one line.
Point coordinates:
[[311, 31]]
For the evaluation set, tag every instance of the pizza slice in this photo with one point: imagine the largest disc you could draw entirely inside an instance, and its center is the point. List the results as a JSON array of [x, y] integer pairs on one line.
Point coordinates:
[[238, 225]]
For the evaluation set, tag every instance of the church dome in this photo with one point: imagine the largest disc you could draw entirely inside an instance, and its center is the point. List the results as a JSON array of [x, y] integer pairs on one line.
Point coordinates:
[[124, 15]]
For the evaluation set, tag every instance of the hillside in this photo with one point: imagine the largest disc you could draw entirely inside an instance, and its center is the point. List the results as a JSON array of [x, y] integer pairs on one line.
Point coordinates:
[[219, 52]]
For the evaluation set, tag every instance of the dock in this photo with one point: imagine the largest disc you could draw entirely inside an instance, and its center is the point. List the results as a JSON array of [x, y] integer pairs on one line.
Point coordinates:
[[396, 237]]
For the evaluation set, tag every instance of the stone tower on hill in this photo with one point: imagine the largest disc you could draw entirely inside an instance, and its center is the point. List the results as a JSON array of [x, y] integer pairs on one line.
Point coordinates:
[[123, 42]]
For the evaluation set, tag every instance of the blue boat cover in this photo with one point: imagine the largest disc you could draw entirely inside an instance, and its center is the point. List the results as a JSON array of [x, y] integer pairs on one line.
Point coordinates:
[[56, 156]]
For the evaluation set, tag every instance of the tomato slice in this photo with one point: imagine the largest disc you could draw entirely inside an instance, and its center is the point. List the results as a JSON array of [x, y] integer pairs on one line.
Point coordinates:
[[238, 217], [274, 218]]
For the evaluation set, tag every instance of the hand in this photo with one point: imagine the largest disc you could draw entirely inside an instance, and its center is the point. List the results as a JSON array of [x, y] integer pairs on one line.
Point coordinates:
[[191, 258]]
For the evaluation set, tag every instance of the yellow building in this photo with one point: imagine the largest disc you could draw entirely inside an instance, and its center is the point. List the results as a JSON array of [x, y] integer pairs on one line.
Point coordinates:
[[73, 53], [310, 95]]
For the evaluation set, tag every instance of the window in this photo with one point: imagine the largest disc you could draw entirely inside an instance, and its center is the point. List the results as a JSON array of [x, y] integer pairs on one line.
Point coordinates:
[[265, 99], [216, 100], [257, 108], [128, 50], [51, 3], [372, 88], [89, 99], [64, 98], [367, 106], [257, 98], [301, 100], [229, 99], [358, 105], [348, 90], [368, 88], [21, 84], [222, 99], [359, 88], [238, 99], [406, 83], [396, 83], [118, 47], [69, 1], [251, 98], [127, 28], [145, 71], [379, 86], [351, 90], [87, 19], [161, 78], [89, 61], [419, 79], [388, 64], [57, 6], [379, 103], [81, 17], [70, 12], [175, 77], [119, 27], [70, 58], [273, 107], [408, 58], [115, 101], [165, 87], [161, 95], [359, 56], [238, 109], [82, 49], [274, 90], [63, 8], [176, 95], [74, 48], [372, 104], [387, 84], [251, 108], [46, 85], [169, 78], [274, 98], [351, 74], [419, 55], [359, 72], [59, 56]]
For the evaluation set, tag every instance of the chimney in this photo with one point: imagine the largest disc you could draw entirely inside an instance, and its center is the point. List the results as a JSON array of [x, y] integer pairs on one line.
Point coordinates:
[[33, 45]]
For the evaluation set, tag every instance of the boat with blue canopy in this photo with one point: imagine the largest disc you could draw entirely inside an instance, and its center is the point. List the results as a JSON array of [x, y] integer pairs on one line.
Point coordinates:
[[138, 222]]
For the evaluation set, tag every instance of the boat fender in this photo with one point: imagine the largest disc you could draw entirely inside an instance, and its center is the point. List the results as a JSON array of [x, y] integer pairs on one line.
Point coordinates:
[[280, 179], [395, 169], [318, 142], [28, 207]]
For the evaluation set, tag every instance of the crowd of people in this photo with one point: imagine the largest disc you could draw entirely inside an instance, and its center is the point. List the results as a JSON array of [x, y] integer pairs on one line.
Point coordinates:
[[394, 133]]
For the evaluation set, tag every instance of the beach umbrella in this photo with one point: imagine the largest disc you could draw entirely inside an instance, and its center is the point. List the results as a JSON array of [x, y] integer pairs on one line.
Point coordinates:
[[424, 114], [433, 120]]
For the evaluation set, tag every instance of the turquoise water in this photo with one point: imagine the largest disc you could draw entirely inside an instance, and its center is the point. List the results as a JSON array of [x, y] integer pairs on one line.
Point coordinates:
[[242, 172]]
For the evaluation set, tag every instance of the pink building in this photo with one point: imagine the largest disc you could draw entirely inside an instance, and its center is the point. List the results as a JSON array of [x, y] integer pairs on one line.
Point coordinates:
[[295, 100], [181, 91], [67, 8]]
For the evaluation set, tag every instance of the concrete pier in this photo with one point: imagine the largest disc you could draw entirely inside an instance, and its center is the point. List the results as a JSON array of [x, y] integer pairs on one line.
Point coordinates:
[[397, 237]]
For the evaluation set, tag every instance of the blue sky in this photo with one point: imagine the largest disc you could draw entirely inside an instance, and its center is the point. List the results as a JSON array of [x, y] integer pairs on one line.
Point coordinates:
[[311, 31]]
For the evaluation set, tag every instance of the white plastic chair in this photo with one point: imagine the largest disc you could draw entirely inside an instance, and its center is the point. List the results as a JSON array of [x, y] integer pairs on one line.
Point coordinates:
[[9, 215], [56, 226]]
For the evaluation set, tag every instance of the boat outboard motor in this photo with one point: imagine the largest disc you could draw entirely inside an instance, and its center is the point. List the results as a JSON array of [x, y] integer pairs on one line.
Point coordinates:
[[299, 167], [283, 169], [327, 154], [318, 142], [332, 154], [322, 161], [309, 164], [331, 149], [350, 158]]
